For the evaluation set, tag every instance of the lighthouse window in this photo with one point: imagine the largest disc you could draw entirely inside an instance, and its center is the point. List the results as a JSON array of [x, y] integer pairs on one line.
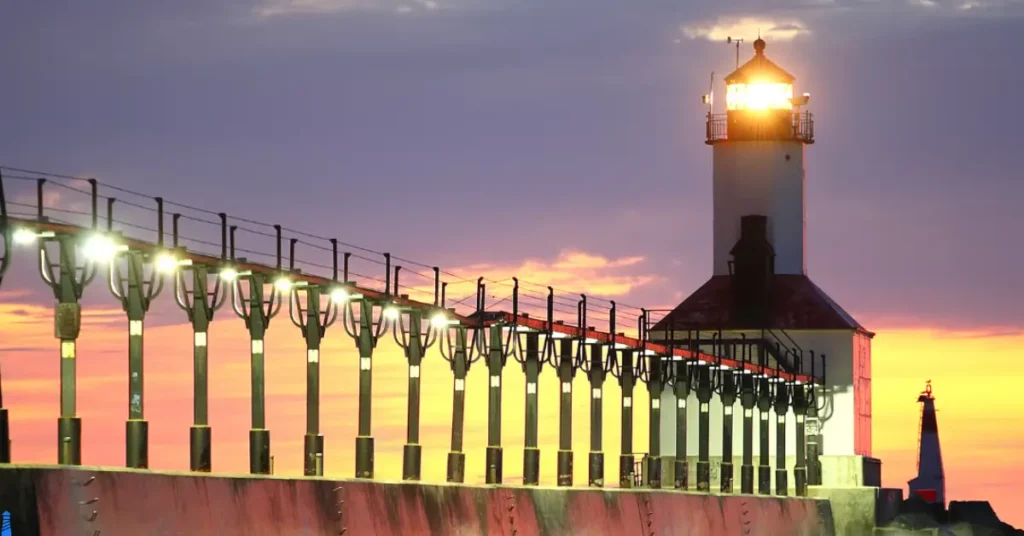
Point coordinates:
[[759, 96]]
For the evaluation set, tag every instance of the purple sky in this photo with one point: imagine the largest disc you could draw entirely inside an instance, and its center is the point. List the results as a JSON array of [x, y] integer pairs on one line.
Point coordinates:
[[484, 131]]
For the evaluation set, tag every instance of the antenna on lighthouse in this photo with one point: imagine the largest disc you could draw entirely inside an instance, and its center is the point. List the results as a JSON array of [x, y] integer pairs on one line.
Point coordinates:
[[731, 40], [709, 97]]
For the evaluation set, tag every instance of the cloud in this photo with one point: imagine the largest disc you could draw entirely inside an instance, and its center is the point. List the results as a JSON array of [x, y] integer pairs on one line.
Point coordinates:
[[747, 28], [274, 8]]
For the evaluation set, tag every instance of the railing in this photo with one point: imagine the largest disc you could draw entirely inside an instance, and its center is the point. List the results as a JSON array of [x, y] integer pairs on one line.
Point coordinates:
[[799, 127]]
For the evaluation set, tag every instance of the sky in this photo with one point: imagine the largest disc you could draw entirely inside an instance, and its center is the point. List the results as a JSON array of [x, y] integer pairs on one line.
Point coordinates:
[[560, 142]]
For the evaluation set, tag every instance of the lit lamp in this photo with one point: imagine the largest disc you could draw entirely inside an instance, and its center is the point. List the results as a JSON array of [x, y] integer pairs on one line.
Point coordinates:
[[759, 100]]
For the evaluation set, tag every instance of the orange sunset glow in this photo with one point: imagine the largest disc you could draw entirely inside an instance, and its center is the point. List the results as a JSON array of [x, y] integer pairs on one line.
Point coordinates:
[[973, 401]]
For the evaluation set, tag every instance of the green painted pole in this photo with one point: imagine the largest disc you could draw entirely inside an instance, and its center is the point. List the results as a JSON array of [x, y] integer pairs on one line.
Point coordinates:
[[800, 411], [412, 452], [566, 372], [728, 397], [67, 326], [136, 302], [495, 363], [597, 375], [200, 434], [704, 392], [531, 452], [460, 366], [747, 401], [257, 322], [781, 408], [681, 389], [626, 382], [364, 440], [313, 442], [655, 387], [764, 407]]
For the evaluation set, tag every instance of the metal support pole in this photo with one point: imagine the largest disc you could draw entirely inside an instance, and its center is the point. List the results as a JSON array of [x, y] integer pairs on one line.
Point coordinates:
[[597, 374], [495, 364], [460, 366], [728, 400], [764, 407], [566, 372], [5, 426], [412, 452], [135, 292], [704, 392], [531, 452], [200, 311], [681, 389], [627, 382], [800, 411], [654, 388], [313, 331], [257, 320], [747, 401], [67, 288], [364, 439], [781, 408]]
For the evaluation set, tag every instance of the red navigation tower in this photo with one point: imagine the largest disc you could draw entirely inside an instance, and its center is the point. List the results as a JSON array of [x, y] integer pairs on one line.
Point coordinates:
[[930, 483]]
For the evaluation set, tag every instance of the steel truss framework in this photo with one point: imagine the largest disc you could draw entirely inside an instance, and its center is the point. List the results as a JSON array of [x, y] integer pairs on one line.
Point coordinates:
[[202, 284]]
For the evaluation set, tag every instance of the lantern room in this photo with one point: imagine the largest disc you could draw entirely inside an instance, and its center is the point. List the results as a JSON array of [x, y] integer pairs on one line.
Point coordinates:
[[760, 104]]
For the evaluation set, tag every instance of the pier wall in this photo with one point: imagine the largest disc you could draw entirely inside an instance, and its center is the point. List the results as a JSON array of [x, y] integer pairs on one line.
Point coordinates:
[[58, 501]]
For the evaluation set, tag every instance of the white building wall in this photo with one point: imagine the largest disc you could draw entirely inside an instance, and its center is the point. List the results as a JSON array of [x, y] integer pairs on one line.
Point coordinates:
[[760, 177], [839, 418]]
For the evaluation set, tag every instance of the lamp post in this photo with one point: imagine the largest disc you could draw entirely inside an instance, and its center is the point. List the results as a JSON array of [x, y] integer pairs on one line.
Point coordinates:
[[496, 358], [459, 355], [136, 287], [799, 403], [414, 339], [748, 398], [68, 278], [366, 331], [765, 394], [782, 402], [705, 388], [5, 261], [199, 305], [655, 377], [683, 379], [594, 366], [727, 389], [813, 424], [257, 310], [313, 320], [623, 371], [531, 361]]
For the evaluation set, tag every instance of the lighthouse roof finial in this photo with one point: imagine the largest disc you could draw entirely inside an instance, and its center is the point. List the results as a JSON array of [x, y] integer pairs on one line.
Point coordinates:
[[759, 44]]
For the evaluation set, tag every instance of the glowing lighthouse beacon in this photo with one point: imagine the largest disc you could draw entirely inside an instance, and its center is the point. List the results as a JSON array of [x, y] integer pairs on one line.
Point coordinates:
[[930, 483], [760, 298]]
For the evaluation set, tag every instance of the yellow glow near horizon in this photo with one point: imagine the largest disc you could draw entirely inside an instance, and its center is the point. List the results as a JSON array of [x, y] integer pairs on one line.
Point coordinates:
[[759, 96]]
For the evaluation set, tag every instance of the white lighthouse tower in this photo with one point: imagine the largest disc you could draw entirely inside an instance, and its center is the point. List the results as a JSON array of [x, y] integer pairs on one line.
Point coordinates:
[[759, 181], [930, 483]]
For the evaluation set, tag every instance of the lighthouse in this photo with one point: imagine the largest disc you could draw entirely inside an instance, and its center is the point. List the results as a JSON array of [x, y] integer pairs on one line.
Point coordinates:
[[930, 483], [761, 295]]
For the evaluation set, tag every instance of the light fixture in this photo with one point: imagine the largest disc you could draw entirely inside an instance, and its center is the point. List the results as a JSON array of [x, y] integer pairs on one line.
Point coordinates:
[[166, 263], [283, 284], [391, 312], [339, 295], [439, 320], [23, 237], [228, 274], [101, 248]]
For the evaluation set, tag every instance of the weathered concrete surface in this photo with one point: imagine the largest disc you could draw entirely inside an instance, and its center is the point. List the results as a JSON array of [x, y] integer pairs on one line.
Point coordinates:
[[855, 510], [48, 500]]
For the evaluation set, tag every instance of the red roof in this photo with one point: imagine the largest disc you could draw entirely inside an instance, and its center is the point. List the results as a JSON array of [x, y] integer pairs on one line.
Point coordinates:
[[798, 305]]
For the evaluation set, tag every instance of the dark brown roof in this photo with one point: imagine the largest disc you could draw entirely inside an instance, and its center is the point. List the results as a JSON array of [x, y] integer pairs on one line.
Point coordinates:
[[798, 305]]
